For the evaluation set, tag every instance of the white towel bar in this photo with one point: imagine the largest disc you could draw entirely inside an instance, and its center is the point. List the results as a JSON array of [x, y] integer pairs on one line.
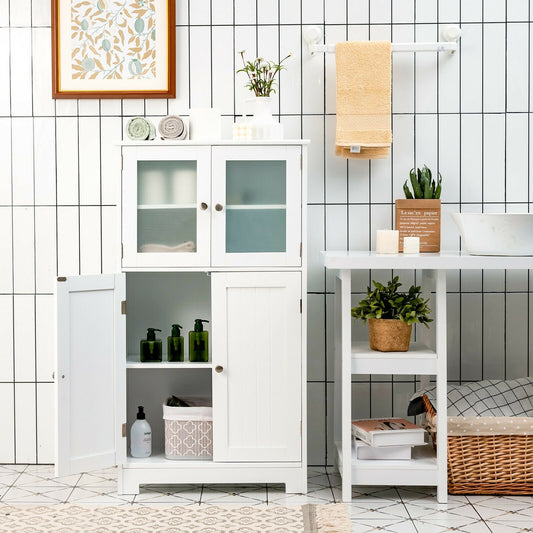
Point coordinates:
[[450, 35]]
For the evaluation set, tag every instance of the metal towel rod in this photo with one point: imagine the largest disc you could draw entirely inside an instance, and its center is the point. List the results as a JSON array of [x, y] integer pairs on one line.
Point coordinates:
[[450, 36]]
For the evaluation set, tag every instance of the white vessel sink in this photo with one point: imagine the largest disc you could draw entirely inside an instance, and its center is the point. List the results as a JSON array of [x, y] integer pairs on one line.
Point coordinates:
[[496, 233]]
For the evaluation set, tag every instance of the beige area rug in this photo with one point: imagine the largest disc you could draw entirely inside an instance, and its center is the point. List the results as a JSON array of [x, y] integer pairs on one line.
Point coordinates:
[[67, 518]]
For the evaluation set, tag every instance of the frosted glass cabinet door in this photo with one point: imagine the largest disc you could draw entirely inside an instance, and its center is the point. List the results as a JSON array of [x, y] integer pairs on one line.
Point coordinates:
[[166, 206], [257, 359], [256, 218]]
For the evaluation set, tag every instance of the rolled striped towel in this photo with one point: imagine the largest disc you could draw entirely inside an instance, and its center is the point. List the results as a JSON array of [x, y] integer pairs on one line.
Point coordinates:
[[140, 129], [172, 127]]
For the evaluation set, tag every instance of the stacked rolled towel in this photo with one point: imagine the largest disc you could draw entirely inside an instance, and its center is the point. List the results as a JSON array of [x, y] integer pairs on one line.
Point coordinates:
[[173, 127], [140, 129]]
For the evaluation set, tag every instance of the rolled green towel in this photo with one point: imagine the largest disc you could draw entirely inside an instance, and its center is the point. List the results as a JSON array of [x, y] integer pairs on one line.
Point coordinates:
[[172, 127], [140, 129]]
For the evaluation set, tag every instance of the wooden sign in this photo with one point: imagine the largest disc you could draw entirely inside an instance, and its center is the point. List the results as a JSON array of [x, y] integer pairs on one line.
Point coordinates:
[[419, 218]]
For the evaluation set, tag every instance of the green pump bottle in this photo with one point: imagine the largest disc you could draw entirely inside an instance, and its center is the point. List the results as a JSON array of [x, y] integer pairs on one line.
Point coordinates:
[[151, 348], [199, 343], [175, 344]]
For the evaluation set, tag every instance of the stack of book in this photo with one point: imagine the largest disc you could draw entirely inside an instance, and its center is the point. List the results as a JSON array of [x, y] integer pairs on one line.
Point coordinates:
[[386, 438]]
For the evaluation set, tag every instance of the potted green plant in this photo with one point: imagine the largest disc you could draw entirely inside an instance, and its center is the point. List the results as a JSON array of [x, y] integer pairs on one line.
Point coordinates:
[[391, 315], [419, 214], [262, 82]]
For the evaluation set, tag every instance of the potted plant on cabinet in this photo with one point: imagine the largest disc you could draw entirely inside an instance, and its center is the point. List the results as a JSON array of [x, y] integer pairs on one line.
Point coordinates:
[[418, 215], [262, 82], [391, 315]]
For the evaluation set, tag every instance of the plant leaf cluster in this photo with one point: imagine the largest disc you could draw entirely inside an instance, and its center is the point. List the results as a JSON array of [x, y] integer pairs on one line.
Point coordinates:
[[389, 302], [261, 74], [423, 184]]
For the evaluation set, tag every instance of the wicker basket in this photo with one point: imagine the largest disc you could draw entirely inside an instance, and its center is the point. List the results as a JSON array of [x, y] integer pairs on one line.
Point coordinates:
[[492, 464]]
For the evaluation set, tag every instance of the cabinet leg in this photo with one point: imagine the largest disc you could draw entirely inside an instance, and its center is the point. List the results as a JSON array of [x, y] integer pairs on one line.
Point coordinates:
[[127, 486], [297, 483]]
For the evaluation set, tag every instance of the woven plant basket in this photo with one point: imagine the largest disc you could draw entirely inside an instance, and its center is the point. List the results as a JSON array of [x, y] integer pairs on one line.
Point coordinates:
[[389, 335], [488, 464]]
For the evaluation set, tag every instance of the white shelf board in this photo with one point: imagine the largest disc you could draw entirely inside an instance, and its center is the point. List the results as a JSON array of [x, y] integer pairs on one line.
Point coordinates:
[[420, 470], [418, 360], [253, 207], [342, 260], [160, 459], [134, 361], [166, 206], [221, 142]]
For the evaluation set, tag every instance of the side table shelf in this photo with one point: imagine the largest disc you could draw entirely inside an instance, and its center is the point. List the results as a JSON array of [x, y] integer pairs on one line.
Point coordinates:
[[427, 467]]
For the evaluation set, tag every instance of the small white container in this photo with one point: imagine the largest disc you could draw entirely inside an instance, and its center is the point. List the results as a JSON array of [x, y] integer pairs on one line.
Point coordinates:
[[141, 436], [411, 245], [205, 124]]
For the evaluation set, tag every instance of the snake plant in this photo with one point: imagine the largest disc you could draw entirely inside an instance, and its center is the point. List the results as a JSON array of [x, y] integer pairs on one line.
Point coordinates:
[[423, 184]]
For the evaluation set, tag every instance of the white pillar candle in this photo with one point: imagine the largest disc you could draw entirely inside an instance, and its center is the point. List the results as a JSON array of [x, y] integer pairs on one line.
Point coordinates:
[[387, 241], [411, 245]]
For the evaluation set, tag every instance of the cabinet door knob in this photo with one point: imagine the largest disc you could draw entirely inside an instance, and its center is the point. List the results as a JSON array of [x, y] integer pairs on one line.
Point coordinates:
[[219, 207], [203, 206], [219, 369]]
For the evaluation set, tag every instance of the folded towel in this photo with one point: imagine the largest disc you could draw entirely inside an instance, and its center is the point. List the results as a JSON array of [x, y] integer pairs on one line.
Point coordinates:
[[363, 99], [184, 247], [172, 127], [140, 129]]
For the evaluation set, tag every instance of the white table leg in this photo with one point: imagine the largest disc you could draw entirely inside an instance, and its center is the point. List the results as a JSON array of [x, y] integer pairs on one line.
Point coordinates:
[[442, 403], [424, 334]]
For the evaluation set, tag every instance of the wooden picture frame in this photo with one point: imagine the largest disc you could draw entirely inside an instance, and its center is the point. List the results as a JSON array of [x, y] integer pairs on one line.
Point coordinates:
[[113, 49]]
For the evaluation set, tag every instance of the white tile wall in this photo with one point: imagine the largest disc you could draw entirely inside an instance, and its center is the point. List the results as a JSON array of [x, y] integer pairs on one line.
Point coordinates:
[[466, 115]]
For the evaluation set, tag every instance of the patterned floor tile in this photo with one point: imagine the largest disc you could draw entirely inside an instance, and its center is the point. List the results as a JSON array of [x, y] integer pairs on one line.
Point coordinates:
[[505, 508], [93, 495], [46, 495], [244, 497], [451, 524], [165, 497], [394, 526], [380, 510], [516, 526]]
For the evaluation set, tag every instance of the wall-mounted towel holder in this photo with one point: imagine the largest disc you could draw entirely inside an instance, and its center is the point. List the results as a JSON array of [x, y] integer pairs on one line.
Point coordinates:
[[450, 36]]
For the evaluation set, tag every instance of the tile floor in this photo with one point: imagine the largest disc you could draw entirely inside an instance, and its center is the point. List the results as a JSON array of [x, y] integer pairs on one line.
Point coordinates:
[[385, 509]]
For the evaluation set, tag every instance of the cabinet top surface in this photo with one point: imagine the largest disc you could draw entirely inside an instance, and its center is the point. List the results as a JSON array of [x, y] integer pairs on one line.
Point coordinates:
[[222, 142], [446, 260]]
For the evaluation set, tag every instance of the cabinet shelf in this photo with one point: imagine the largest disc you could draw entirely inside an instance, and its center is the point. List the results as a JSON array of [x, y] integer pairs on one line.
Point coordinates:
[[134, 361], [160, 459], [420, 470], [166, 206], [419, 359], [252, 207]]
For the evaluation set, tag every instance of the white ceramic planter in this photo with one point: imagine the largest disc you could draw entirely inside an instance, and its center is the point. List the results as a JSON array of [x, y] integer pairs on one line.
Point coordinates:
[[496, 233]]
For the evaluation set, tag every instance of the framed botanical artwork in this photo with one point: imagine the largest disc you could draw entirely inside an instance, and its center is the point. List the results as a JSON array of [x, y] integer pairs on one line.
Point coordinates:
[[113, 49]]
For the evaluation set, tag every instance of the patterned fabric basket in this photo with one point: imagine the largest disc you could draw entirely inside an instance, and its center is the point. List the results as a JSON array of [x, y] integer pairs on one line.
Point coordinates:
[[488, 464], [188, 432]]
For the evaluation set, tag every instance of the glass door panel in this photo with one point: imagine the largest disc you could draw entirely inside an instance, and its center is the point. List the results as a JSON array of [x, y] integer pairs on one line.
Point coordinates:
[[256, 195], [166, 206]]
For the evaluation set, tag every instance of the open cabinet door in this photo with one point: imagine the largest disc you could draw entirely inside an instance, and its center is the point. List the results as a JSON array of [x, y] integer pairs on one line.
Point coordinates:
[[90, 368]]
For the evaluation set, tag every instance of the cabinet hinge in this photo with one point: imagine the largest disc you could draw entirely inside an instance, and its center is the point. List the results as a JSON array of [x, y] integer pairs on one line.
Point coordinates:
[[301, 161], [300, 249], [61, 278], [123, 430], [123, 307], [301, 306]]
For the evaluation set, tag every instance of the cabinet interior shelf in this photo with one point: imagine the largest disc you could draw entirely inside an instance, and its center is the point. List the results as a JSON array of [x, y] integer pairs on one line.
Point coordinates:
[[251, 207], [419, 359], [160, 459], [134, 361], [166, 206], [420, 470]]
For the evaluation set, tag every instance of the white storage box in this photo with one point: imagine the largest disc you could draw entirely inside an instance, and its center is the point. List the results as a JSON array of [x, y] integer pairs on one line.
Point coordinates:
[[189, 430]]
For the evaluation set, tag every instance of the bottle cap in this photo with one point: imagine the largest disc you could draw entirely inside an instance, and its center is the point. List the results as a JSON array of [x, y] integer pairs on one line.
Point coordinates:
[[198, 326], [140, 413], [150, 335], [175, 330]]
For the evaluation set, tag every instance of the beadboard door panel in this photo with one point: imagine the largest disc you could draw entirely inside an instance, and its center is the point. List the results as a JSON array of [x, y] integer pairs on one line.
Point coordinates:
[[257, 366], [90, 373]]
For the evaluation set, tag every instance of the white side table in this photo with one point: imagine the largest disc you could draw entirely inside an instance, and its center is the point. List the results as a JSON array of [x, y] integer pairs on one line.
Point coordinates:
[[356, 358]]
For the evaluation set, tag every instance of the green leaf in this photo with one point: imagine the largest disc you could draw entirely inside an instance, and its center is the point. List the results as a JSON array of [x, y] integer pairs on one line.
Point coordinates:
[[139, 25], [407, 192]]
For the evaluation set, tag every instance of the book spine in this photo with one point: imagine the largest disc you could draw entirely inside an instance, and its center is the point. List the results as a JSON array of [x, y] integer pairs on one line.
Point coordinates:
[[363, 435]]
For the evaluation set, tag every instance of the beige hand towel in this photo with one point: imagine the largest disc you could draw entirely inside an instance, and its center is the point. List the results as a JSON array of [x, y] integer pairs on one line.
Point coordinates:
[[363, 99]]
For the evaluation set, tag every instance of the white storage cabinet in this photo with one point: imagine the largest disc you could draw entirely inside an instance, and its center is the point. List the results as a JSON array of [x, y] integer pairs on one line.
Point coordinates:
[[208, 231]]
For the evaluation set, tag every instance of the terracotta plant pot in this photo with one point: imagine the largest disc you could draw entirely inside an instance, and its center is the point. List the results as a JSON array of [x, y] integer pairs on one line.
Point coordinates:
[[419, 218], [389, 335]]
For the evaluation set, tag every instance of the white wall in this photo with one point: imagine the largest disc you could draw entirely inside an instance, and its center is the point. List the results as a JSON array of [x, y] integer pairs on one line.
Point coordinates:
[[466, 115]]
